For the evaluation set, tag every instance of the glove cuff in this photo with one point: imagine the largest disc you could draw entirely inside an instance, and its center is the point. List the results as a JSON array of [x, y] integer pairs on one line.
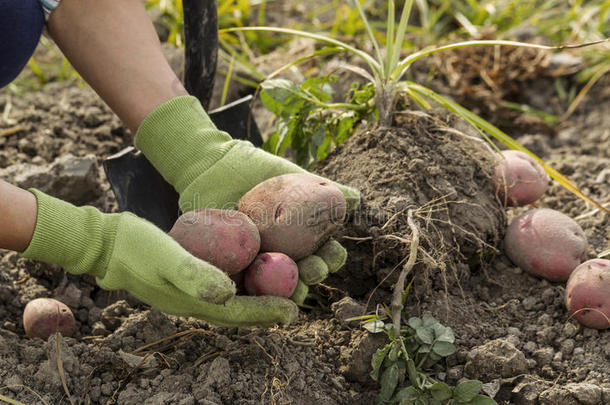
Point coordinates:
[[80, 239], [181, 141]]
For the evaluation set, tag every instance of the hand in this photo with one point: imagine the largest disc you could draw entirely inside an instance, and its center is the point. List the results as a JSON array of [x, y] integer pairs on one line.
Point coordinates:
[[126, 252], [211, 170]]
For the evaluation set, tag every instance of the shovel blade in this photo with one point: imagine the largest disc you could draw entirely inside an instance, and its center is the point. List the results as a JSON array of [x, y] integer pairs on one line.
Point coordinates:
[[140, 188]]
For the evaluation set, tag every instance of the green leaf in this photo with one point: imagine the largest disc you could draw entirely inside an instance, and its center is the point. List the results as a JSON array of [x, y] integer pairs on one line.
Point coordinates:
[[344, 128], [388, 382], [415, 322], [319, 87], [377, 360], [435, 357], [443, 333], [425, 334], [466, 391], [482, 400], [443, 349], [441, 391], [429, 320], [282, 97], [406, 394]]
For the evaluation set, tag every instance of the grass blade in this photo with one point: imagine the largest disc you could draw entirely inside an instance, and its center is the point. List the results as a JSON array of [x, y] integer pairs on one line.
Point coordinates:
[[323, 51], [389, 43], [225, 87], [369, 30], [492, 130], [581, 94], [373, 64], [401, 32]]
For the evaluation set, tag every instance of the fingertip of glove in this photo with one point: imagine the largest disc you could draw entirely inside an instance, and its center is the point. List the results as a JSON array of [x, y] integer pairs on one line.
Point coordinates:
[[333, 254], [312, 269], [300, 293], [352, 196]]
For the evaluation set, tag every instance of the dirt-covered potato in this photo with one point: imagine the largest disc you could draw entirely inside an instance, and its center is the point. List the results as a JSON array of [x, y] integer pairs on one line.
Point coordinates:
[[271, 274], [519, 178], [227, 239], [42, 317], [295, 213], [588, 293], [546, 243]]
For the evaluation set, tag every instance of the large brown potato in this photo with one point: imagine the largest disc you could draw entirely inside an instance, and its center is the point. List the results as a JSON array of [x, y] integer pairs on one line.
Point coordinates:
[[227, 239], [295, 213]]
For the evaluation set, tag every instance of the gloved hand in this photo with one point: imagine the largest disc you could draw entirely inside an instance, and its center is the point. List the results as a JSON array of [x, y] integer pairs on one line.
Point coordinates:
[[123, 251], [209, 169]]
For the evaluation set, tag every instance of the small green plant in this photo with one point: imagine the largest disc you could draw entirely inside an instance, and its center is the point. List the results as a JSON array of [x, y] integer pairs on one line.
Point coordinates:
[[400, 365], [308, 121], [386, 71]]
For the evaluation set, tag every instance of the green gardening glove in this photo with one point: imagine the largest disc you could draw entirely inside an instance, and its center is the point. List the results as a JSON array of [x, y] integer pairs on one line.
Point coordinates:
[[209, 169], [123, 251]]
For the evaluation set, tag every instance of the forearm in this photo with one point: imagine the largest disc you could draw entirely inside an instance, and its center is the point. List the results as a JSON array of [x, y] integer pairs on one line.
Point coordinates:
[[115, 48], [17, 217]]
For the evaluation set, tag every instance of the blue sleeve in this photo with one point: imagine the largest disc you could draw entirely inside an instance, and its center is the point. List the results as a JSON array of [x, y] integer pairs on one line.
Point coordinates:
[[21, 23]]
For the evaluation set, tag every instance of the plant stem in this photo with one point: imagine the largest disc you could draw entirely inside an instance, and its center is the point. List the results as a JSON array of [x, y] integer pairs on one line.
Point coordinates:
[[396, 305]]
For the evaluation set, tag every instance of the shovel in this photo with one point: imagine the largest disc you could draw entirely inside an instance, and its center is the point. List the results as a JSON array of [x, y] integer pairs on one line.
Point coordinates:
[[137, 185]]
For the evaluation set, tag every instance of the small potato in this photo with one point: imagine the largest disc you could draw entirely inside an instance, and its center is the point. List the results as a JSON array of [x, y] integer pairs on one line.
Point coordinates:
[[545, 243], [519, 178], [271, 274], [295, 213], [43, 317], [589, 287], [227, 239]]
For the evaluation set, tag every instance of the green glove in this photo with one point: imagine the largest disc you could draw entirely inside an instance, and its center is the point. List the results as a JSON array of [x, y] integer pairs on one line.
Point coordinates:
[[126, 252], [209, 169]]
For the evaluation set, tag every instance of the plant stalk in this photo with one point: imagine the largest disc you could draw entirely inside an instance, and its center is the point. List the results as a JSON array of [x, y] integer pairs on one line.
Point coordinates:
[[396, 305]]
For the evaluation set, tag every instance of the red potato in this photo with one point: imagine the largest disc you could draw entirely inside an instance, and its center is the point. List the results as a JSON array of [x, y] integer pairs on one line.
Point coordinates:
[[519, 178], [545, 243], [271, 274], [227, 239], [589, 287], [43, 317], [295, 213]]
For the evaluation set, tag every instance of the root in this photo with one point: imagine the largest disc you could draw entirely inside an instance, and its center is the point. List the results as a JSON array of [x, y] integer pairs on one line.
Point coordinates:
[[399, 288]]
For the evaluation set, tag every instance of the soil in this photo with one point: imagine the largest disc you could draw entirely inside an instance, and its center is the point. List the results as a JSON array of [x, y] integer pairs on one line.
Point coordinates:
[[512, 329]]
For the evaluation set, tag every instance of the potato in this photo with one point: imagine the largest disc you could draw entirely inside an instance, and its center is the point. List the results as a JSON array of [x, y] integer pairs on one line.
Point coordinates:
[[545, 243], [43, 317], [227, 239], [295, 213], [589, 287], [519, 178], [271, 274]]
